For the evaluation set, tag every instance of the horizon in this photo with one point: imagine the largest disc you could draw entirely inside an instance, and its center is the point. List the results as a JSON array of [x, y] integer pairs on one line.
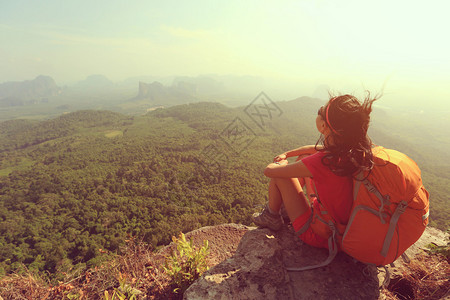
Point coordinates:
[[279, 94], [399, 48]]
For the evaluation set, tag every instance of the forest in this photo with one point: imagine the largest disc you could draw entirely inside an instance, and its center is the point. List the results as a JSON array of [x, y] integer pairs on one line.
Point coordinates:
[[89, 180]]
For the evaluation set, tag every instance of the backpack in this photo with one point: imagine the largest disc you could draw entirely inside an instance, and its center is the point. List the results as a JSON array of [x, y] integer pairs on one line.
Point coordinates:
[[389, 213]]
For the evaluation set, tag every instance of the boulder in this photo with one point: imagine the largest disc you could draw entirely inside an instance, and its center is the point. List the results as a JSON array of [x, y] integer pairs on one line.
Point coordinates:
[[223, 241], [258, 271]]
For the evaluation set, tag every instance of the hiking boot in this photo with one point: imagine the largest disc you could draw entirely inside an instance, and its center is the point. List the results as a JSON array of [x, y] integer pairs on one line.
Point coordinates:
[[267, 219]]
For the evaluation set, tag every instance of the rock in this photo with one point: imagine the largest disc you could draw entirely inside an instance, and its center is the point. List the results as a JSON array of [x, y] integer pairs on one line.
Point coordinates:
[[152, 91], [223, 241], [257, 270]]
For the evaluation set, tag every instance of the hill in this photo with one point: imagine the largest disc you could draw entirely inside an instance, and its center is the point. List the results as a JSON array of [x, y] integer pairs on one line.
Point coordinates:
[[93, 83], [155, 94], [87, 180], [28, 92]]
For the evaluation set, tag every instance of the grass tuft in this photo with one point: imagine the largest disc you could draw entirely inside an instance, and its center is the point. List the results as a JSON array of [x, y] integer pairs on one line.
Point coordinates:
[[425, 277]]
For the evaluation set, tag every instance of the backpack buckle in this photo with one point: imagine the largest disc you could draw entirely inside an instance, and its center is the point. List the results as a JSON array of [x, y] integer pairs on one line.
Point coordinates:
[[371, 188], [402, 206]]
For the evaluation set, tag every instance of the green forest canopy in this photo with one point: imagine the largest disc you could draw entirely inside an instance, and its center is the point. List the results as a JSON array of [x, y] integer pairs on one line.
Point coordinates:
[[88, 180]]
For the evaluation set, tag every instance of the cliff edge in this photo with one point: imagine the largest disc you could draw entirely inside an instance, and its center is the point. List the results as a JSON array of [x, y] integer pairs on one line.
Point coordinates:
[[254, 267]]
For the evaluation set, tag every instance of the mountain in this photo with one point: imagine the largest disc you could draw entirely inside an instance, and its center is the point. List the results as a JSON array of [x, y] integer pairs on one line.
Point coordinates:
[[156, 93], [93, 83], [184, 89], [203, 85], [28, 92]]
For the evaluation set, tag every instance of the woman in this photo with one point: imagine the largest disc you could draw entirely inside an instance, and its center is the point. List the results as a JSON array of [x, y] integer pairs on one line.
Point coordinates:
[[343, 150]]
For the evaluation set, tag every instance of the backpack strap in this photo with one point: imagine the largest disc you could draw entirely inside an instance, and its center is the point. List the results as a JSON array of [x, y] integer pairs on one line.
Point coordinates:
[[306, 226], [426, 215], [406, 258], [392, 226], [332, 240], [332, 251], [387, 277], [384, 200], [357, 184]]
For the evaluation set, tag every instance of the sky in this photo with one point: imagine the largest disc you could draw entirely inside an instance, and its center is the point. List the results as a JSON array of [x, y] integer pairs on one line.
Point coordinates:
[[400, 48]]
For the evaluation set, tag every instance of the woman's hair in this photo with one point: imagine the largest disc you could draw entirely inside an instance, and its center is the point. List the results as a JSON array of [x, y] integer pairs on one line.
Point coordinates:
[[348, 148]]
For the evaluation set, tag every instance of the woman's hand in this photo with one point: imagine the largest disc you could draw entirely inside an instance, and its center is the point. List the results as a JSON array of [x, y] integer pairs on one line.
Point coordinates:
[[282, 162], [280, 157]]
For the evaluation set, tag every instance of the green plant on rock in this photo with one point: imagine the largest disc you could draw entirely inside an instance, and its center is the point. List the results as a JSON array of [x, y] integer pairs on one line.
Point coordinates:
[[124, 292], [443, 250], [186, 263]]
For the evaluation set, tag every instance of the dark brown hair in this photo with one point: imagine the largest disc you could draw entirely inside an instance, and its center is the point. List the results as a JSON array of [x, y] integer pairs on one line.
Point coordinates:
[[348, 148]]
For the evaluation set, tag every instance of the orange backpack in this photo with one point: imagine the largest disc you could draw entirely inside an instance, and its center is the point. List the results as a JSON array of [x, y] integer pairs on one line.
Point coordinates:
[[389, 213]]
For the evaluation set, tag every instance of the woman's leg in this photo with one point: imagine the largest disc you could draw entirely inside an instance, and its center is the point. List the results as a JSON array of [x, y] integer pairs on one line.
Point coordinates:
[[289, 192], [306, 182]]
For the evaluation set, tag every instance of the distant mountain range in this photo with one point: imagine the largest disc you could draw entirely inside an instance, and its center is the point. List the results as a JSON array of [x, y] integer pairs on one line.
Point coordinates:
[[184, 89], [94, 82], [151, 90], [157, 94], [28, 92]]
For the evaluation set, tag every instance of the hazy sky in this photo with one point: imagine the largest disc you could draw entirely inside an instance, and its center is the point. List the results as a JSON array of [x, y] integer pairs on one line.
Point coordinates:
[[347, 44]]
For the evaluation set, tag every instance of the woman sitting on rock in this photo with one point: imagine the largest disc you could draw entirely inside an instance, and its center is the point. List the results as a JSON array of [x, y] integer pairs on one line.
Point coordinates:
[[342, 150]]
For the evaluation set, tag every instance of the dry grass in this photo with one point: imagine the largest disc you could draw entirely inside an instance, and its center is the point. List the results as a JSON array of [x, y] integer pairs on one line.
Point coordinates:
[[139, 271], [426, 277], [136, 272], [25, 286]]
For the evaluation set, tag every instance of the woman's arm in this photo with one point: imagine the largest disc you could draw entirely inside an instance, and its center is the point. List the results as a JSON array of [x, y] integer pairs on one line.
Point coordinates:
[[282, 169], [304, 150]]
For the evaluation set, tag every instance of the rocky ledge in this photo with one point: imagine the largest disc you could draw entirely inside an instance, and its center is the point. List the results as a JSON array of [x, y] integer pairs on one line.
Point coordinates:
[[253, 266]]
